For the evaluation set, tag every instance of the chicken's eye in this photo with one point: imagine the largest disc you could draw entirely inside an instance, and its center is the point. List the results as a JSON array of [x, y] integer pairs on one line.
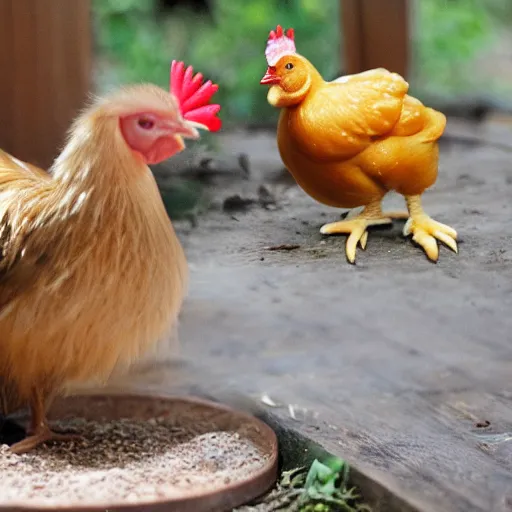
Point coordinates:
[[289, 65], [146, 124]]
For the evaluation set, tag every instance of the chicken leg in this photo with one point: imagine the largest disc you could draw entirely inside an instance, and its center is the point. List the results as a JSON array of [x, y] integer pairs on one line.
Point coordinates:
[[356, 226], [39, 431], [425, 230]]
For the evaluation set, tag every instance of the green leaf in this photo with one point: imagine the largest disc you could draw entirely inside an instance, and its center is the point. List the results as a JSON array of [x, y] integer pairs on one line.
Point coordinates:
[[317, 472], [335, 464]]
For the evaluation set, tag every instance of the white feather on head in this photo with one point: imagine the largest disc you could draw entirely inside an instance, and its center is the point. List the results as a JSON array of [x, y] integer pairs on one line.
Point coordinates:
[[279, 44]]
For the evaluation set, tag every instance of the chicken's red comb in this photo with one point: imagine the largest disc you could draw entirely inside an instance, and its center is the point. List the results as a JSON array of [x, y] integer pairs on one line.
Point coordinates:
[[279, 43], [194, 96]]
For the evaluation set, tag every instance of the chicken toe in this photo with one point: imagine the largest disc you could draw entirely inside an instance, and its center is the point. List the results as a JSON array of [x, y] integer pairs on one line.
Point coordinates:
[[356, 227], [426, 231], [39, 431], [42, 436]]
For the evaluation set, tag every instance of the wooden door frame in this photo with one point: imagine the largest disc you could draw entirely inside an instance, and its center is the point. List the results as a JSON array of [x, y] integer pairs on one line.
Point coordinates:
[[45, 70], [376, 33]]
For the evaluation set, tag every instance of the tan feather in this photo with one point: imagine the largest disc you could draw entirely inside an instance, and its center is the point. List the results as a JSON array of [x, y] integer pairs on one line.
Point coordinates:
[[91, 271]]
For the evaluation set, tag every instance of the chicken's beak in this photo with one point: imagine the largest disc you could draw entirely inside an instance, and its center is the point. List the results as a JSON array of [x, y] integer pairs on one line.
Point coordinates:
[[270, 77], [183, 128], [187, 130]]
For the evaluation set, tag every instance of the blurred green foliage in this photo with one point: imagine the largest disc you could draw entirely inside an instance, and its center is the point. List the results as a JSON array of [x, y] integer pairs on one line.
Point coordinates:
[[448, 36], [136, 42]]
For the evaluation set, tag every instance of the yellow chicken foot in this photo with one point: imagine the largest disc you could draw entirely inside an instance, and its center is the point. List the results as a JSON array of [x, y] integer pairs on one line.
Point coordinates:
[[398, 215], [395, 215], [425, 230], [39, 431], [356, 227]]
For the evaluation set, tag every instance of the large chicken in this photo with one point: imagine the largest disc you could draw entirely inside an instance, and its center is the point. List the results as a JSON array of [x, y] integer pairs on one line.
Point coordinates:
[[91, 271], [349, 142]]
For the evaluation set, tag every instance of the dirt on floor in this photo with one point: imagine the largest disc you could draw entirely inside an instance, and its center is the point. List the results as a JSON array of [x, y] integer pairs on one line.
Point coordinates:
[[266, 209], [375, 360], [256, 254]]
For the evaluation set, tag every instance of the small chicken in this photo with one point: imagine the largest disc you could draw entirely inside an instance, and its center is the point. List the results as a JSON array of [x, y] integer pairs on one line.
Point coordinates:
[[349, 142], [91, 272]]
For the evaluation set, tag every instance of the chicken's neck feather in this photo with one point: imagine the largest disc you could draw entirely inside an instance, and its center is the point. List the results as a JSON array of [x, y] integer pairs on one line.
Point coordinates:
[[96, 167], [96, 154]]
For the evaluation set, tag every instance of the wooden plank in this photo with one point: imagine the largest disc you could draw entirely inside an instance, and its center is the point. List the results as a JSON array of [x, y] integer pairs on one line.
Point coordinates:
[[6, 66], [23, 99], [376, 34], [352, 36], [46, 109], [45, 67], [392, 363]]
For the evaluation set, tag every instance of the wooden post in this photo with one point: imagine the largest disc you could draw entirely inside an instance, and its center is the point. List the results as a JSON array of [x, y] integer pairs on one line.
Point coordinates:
[[45, 61], [375, 34]]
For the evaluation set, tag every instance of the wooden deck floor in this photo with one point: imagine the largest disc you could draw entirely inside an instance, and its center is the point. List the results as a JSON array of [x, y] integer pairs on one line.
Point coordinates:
[[401, 366]]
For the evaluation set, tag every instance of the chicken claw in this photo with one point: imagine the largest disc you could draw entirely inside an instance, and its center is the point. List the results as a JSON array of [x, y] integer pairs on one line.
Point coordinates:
[[392, 215], [425, 231], [39, 431], [42, 436], [356, 228]]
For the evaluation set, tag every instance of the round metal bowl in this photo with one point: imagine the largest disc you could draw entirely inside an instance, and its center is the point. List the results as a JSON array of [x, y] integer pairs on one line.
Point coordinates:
[[185, 410]]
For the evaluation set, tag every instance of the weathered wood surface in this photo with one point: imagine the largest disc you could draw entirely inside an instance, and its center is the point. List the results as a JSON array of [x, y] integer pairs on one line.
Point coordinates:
[[395, 364], [45, 64]]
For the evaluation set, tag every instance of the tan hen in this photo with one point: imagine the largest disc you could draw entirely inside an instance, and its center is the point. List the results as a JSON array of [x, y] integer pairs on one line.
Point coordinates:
[[91, 271]]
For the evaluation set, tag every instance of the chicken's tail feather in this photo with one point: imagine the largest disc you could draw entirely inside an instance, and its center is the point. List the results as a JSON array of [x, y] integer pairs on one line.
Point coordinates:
[[194, 96]]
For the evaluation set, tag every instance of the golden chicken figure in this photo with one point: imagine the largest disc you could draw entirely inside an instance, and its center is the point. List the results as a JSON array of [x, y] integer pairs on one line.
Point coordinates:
[[349, 142], [91, 271]]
